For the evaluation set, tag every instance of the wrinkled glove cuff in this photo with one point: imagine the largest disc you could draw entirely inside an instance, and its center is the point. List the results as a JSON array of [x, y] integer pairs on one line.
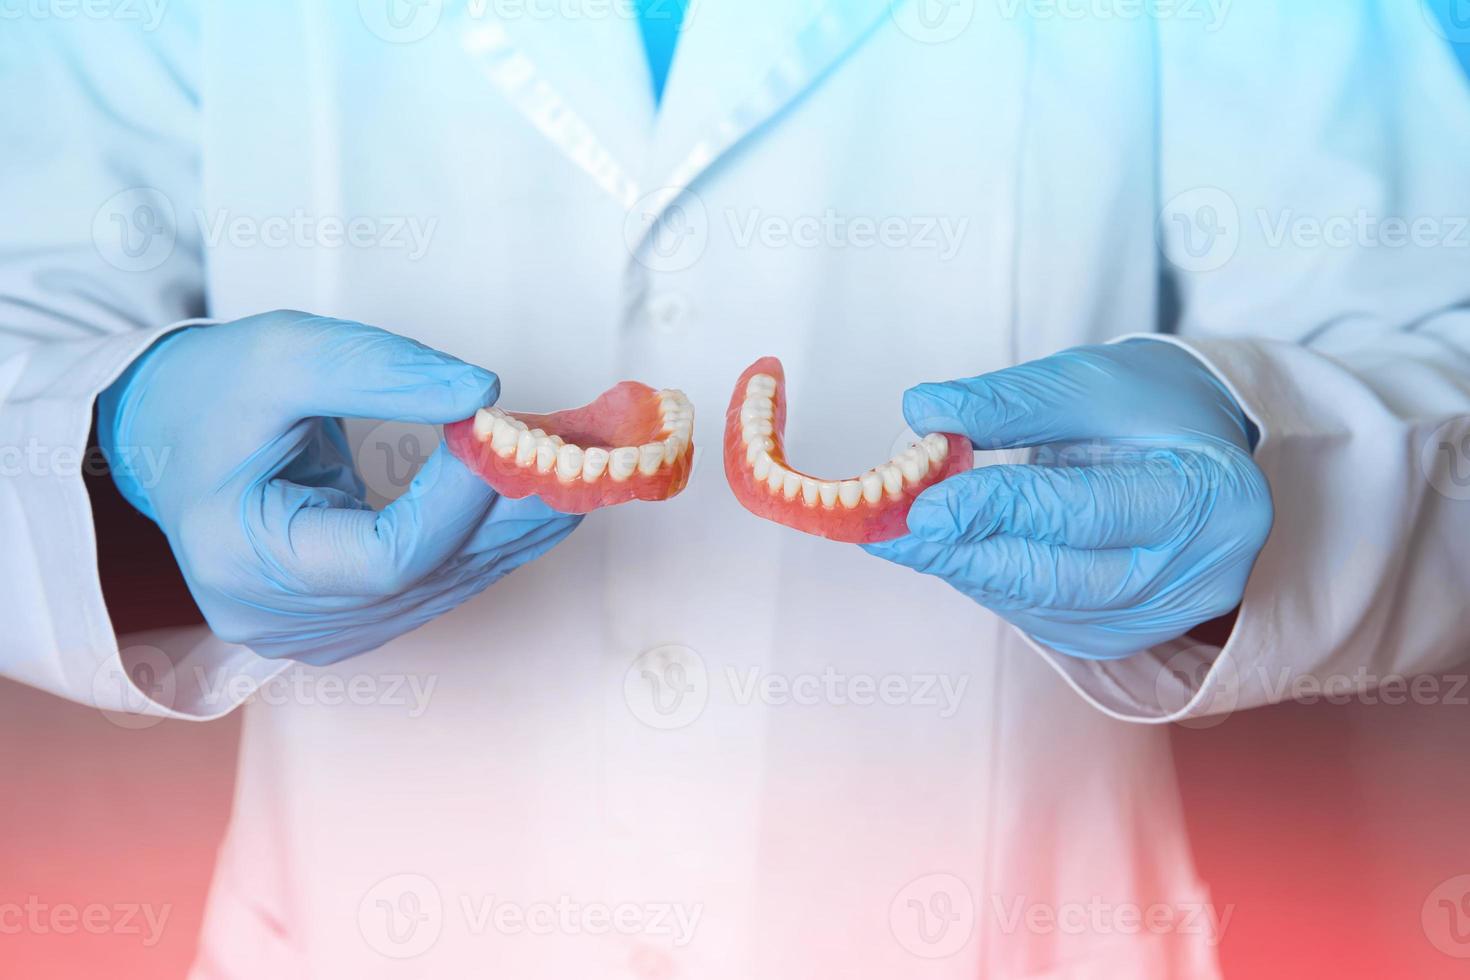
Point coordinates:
[[116, 405]]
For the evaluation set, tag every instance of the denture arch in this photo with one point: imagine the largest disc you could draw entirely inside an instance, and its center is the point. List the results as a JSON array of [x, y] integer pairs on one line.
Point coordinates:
[[632, 443], [871, 507]]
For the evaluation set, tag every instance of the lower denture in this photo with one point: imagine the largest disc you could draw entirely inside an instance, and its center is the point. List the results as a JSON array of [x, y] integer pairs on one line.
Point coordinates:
[[871, 507]]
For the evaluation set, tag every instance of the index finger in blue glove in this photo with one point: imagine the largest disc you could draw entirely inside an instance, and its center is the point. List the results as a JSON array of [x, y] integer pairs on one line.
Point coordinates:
[[1142, 503], [1141, 387], [357, 371], [1026, 405]]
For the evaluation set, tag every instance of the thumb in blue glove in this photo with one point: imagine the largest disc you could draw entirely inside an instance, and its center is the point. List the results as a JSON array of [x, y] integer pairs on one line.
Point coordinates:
[[260, 501], [1138, 519]]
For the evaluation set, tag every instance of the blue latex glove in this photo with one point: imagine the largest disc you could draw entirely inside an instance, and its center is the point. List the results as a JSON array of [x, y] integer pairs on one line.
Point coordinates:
[[1138, 520], [259, 498]]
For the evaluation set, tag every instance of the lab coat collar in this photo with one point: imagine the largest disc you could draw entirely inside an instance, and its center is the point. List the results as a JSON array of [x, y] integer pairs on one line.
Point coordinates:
[[581, 81], [584, 84], [740, 63]]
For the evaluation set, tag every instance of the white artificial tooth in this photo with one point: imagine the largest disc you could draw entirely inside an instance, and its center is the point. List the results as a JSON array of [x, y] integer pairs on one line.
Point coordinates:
[[525, 449], [763, 464], [517, 423], [503, 439], [759, 448], [776, 478], [914, 463], [761, 385], [545, 455], [539, 434], [756, 430], [850, 492], [672, 448], [892, 478], [909, 467], [622, 462], [569, 462], [872, 486], [682, 431], [828, 492], [650, 458], [790, 485], [936, 446], [594, 463], [757, 408], [809, 491], [557, 441], [484, 424]]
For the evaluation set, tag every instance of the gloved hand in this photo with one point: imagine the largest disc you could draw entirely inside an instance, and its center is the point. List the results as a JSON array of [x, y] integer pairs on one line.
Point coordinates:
[[1138, 519], [255, 489]]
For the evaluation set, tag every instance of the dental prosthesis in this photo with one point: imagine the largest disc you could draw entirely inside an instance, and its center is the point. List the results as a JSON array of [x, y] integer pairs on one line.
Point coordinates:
[[632, 443], [872, 507]]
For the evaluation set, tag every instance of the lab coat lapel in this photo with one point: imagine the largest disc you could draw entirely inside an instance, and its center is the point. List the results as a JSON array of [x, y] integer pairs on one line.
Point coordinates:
[[582, 82], [739, 64]]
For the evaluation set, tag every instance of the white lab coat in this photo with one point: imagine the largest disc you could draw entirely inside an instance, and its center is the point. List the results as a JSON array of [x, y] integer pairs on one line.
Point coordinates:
[[839, 831]]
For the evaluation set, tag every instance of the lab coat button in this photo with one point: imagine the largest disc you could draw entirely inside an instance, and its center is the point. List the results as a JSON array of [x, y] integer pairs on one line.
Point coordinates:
[[667, 312]]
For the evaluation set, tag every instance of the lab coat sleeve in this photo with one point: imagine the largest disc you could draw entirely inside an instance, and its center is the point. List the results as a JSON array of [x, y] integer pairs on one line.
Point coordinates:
[[99, 256], [1315, 212]]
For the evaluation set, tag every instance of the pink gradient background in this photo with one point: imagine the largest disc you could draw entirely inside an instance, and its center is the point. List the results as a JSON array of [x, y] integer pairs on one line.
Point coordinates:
[[1325, 826]]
